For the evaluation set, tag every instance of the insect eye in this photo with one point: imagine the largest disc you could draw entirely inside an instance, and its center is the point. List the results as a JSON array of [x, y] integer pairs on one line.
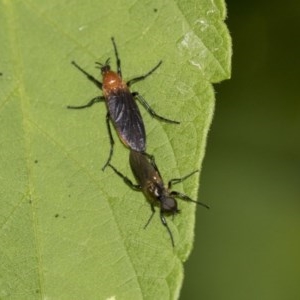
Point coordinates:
[[169, 204], [105, 68]]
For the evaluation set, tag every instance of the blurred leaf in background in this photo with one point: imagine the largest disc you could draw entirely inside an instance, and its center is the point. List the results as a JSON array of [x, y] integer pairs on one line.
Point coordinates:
[[248, 246]]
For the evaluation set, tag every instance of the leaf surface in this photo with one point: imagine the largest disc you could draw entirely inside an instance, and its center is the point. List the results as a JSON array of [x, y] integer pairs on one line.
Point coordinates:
[[67, 229]]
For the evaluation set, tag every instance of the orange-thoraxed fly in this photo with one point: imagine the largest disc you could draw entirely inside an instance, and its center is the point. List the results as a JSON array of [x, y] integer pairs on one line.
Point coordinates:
[[122, 109]]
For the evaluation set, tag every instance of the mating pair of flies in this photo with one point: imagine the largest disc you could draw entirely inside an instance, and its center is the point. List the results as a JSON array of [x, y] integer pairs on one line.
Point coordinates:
[[124, 113]]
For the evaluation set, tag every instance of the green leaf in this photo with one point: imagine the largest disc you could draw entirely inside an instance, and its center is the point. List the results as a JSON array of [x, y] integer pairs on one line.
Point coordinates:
[[67, 229]]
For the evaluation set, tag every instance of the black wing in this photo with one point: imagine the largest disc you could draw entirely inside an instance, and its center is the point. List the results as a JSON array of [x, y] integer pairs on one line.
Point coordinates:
[[127, 119], [144, 170]]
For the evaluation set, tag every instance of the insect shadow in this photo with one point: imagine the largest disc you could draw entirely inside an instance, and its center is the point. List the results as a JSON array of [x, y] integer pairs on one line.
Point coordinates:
[[150, 182], [122, 109]]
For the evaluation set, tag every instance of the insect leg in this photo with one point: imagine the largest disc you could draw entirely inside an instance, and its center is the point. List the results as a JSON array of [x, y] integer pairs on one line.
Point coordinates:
[[150, 110], [135, 187], [117, 57], [111, 139], [89, 104], [89, 76], [164, 222], [153, 212], [142, 77], [178, 180], [187, 198]]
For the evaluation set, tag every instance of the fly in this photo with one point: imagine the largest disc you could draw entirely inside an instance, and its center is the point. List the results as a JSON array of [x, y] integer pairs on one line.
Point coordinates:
[[150, 182], [122, 109]]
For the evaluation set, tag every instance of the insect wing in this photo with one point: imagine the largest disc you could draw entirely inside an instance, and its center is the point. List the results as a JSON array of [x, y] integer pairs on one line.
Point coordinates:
[[127, 119], [143, 169]]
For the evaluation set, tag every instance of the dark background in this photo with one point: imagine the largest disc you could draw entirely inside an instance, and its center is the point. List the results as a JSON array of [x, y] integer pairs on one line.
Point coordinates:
[[248, 245]]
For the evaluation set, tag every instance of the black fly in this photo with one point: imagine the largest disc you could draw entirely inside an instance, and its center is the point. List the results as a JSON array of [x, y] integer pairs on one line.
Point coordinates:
[[151, 184]]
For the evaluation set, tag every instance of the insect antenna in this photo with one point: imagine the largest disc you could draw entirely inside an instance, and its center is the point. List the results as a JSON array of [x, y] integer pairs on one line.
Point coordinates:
[[100, 65]]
